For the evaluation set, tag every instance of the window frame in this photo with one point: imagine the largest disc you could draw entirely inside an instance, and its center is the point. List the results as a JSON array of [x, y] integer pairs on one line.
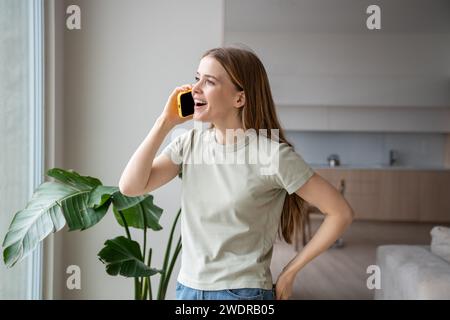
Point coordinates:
[[36, 105]]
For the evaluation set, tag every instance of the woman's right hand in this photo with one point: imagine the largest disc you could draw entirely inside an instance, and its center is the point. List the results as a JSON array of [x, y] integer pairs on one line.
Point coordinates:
[[170, 112]]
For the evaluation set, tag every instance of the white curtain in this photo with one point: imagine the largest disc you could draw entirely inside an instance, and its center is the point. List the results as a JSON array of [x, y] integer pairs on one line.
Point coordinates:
[[20, 140]]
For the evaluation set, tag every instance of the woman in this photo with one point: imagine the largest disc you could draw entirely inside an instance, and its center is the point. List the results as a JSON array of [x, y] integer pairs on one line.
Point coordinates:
[[231, 210]]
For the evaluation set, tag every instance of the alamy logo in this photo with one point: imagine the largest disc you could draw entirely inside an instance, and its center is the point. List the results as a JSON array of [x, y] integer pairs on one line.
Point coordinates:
[[74, 280], [73, 21], [374, 280], [259, 148], [373, 22]]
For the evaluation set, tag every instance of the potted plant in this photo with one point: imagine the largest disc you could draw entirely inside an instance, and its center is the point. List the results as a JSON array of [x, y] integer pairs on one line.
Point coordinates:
[[81, 202]]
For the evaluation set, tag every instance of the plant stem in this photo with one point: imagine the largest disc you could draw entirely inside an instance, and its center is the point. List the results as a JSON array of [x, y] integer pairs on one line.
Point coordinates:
[[149, 282], [125, 225], [144, 288], [136, 280], [166, 256], [144, 251], [172, 264], [139, 288]]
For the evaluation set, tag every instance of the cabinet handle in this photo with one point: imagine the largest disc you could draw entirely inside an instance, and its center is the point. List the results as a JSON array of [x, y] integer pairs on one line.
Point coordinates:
[[342, 186]]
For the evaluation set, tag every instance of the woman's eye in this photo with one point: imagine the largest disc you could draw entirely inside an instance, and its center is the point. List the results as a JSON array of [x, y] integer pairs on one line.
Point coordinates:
[[197, 79]]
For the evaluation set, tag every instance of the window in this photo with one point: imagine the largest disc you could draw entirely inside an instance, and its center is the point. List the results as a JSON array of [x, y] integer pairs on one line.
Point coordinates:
[[21, 132]]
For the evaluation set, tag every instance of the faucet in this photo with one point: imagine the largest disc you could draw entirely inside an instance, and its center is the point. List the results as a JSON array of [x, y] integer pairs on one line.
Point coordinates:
[[333, 160], [393, 157]]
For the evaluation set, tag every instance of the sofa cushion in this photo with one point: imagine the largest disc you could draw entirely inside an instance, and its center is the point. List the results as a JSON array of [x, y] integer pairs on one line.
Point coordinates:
[[440, 242], [412, 272]]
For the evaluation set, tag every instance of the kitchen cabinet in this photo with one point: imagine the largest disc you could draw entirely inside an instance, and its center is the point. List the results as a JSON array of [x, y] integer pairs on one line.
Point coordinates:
[[434, 196], [394, 195], [399, 195]]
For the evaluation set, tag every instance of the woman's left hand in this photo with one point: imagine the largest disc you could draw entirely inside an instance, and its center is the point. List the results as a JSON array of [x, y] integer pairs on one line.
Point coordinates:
[[283, 287]]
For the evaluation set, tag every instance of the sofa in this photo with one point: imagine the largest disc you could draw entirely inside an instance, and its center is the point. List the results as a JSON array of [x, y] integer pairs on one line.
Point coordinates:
[[415, 272]]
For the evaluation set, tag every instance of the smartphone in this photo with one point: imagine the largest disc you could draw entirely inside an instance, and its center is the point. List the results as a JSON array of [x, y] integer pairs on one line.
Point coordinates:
[[185, 104]]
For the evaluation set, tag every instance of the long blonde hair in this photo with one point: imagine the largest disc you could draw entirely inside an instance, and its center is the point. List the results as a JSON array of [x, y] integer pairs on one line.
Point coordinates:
[[248, 74]]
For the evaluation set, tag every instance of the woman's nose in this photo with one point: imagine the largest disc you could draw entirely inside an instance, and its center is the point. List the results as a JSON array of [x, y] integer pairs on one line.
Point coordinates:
[[196, 87]]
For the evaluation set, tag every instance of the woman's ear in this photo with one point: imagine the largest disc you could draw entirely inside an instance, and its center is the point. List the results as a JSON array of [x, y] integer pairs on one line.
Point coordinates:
[[240, 102]]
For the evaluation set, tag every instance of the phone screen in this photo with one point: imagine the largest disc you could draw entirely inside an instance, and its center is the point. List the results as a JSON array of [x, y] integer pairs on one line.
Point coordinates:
[[187, 104]]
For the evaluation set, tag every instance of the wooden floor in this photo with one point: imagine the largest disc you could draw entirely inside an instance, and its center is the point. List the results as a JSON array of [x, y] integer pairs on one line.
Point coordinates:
[[340, 273]]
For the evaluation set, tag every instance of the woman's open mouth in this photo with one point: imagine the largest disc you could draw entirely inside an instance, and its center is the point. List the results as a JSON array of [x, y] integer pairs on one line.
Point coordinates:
[[199, 104]]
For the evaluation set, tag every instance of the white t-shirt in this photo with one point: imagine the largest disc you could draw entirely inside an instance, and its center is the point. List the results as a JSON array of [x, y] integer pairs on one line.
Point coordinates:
[[231, 206]]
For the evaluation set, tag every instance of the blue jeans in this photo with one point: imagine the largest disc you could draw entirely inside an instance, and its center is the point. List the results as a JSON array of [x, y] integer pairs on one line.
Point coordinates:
[[186, 293]]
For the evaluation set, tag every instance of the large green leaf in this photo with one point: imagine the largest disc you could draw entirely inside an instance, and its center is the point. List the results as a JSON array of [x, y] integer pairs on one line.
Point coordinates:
[[78, 214], [123, 256], [52, 205], [139, 212], [41, 216], [100, 195], [74, 179], [122, 202], [134, 216]]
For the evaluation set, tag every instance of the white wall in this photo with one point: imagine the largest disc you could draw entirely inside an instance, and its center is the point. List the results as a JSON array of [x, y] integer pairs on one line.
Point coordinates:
[[320, 53], [119, 70], [329, 72]]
